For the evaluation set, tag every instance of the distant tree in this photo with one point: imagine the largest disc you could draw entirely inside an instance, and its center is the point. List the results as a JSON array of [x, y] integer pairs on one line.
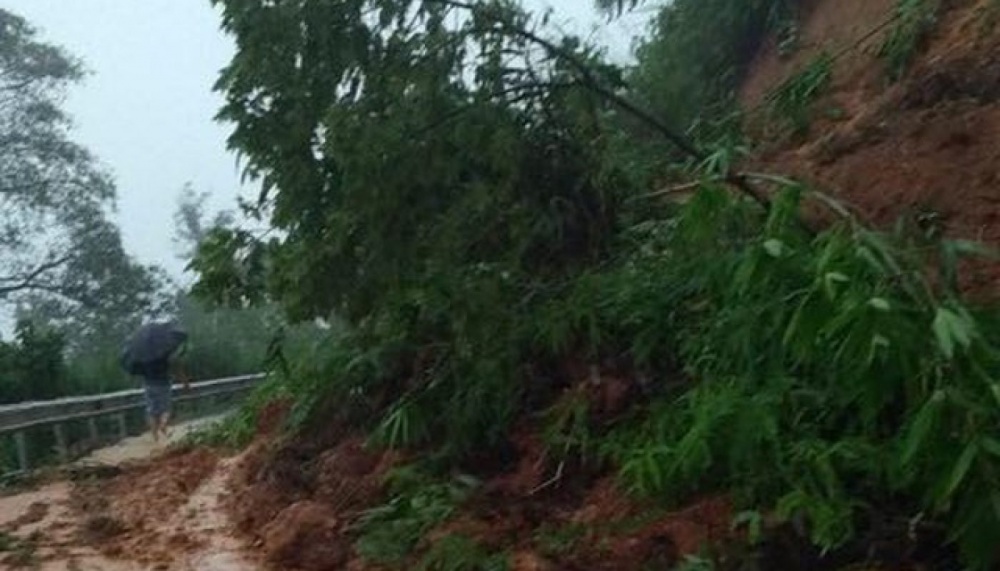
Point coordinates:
[[105, 294], [33, 365], [223, 340], [54, 198], [616, 7], [192, 224]]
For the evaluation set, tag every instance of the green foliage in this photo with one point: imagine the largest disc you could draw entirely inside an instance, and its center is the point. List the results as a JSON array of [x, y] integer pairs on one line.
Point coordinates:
[[19, 552], [825, 369], [239, 427], [224, 341], [299, 360], [472, 169], [695, 563], [33, 366], [567, 429], [389, 533], [914, 20], [753, 522], [791, 102], [559, 541], [459, 553], [697, 53], [431, 224]]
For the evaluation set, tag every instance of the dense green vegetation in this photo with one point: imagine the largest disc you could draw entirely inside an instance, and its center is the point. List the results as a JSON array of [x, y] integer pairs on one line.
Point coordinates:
[[695, 69], [468, 191]]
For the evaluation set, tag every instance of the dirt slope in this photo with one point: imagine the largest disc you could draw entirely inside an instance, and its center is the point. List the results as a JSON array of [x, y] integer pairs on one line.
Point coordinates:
[[830, 26], [926, 147], [299, 501]]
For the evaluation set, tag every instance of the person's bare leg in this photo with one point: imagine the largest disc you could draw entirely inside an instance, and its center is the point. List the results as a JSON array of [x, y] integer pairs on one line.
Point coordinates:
[[164, 421], [154, 428]]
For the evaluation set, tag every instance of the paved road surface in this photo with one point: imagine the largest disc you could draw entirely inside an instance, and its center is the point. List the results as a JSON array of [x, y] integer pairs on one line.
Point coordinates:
[[142, 446]]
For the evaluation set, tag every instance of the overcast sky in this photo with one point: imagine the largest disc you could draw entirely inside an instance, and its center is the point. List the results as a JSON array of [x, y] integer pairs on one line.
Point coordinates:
[[146, 109]]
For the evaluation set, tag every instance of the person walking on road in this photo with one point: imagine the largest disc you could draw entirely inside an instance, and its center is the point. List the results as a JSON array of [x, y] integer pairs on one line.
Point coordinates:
[[153, 353]]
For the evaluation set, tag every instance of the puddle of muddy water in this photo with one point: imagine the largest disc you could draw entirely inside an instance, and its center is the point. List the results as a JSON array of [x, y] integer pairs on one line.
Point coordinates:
[[193, 536]]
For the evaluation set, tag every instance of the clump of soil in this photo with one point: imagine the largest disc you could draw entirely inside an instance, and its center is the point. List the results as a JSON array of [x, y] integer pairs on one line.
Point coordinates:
[[265, 481], [605, 530], [306, 535], [124, 514], [295, 501], [272, 417], [566, 515], [531, 470], [158, 489], [35, 513], [100, 529], [349, 477], [20, 553]]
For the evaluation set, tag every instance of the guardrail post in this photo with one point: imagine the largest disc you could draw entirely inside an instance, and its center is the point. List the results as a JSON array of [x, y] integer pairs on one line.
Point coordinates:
[[122, 427], [22, 450], [92, 426], [61, 449]]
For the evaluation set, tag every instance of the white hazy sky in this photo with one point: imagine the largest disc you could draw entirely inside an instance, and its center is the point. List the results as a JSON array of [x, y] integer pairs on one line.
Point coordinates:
[[146, 110]]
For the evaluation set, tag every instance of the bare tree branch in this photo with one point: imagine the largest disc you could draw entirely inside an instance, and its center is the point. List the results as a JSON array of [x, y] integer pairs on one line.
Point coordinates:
[[30, 280]]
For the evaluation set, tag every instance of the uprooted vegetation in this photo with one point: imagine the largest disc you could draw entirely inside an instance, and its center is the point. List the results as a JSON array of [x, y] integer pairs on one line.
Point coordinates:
[[550, 367]]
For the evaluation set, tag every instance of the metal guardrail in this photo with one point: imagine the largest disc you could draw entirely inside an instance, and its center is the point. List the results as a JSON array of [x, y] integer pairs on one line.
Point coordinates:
[[16, 418]]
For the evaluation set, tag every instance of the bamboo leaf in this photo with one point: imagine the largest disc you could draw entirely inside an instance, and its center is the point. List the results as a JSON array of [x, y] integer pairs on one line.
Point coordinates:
[[970, 248], [775, 248], [990, 445], [943, 332], [961, 469], [831, 279], [880, 303], [922, 426]]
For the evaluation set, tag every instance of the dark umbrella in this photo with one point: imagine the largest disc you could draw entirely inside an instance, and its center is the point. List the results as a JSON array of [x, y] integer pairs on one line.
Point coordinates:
[[152, 342]]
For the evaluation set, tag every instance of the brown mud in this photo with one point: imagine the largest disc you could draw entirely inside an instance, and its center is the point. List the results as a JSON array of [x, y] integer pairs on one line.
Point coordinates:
[[925, 149], [155, 513], [297, 500]]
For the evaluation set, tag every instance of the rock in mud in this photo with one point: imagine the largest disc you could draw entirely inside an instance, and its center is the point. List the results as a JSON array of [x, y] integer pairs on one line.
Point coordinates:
[[306, 535]]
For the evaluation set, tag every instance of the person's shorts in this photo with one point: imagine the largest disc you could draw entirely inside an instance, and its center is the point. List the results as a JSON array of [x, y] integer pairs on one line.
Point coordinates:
[[157, 398]]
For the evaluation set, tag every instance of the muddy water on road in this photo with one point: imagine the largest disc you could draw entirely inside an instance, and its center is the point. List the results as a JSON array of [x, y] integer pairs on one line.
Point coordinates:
[[48, 530]]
